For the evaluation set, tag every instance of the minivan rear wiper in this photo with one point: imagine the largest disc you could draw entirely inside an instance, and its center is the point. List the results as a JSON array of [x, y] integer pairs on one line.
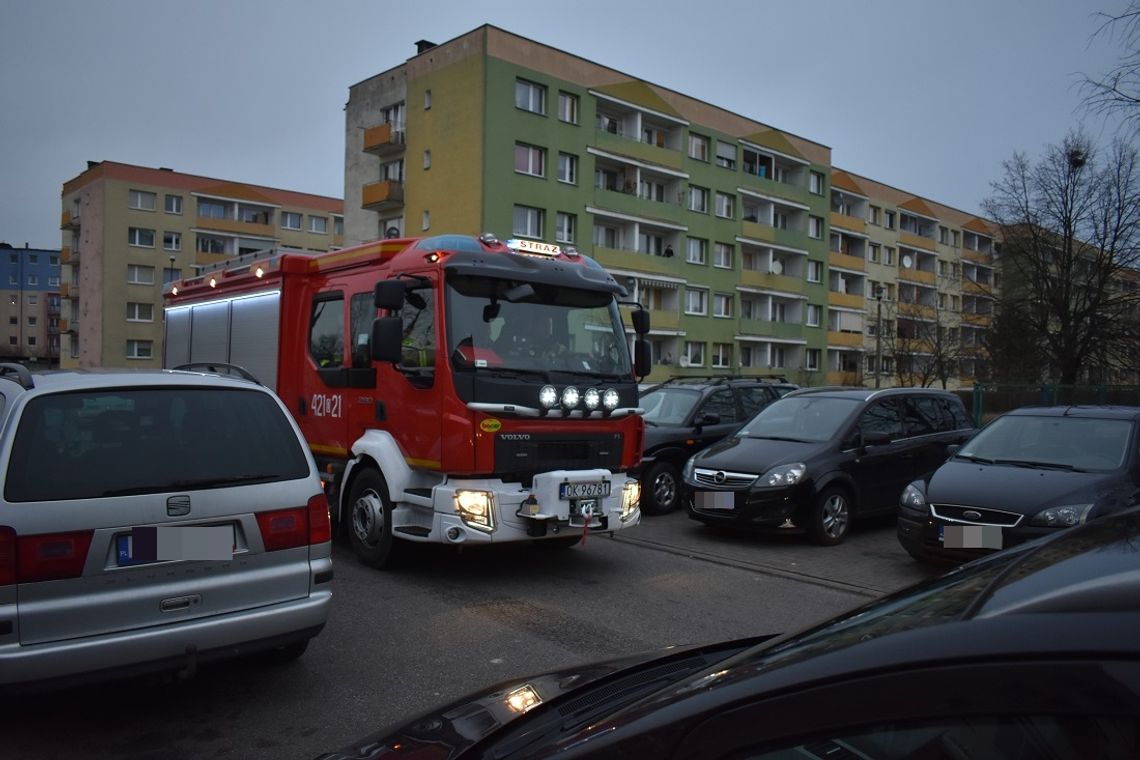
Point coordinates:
[[191, 485]]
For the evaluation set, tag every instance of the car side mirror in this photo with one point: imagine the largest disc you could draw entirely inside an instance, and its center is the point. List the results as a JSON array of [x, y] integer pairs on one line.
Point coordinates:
[[708, 418], [385, 339], [640, 319], [952, 449], [876, 439]]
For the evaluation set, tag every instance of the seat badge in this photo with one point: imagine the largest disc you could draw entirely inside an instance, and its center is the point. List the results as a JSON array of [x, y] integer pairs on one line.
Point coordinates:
[[177, 506]]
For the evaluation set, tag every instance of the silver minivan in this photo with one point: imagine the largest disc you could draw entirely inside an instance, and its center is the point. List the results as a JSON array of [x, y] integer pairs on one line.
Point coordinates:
[[153, 520]]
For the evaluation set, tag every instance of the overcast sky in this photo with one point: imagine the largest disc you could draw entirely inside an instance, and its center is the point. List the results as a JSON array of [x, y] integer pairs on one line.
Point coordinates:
[[927, 95]]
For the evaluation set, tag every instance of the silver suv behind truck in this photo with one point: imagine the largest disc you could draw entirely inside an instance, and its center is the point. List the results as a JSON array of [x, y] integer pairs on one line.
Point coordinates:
[[151, 521]]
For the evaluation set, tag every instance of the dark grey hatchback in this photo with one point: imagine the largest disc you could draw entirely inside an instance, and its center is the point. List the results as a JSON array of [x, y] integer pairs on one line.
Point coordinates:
[[818, 458], [1028, 473]]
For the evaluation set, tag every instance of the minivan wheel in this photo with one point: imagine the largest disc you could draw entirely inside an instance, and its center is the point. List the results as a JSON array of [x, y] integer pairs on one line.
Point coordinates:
[[830, 519], [370, 520], [660, 489]]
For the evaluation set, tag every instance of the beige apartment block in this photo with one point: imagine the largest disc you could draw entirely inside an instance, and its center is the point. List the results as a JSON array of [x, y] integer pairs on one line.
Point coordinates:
[[128, 230]]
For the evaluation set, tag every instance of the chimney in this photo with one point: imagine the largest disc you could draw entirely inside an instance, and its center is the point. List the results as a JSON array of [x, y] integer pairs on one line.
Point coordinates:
[[422, 45]]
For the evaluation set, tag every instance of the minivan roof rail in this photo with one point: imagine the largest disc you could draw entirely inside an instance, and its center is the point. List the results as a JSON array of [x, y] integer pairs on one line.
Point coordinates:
[[218, 368], [23, 376]]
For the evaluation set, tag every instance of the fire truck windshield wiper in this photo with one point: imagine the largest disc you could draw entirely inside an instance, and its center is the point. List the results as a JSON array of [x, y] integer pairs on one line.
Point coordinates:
[[517, 372]]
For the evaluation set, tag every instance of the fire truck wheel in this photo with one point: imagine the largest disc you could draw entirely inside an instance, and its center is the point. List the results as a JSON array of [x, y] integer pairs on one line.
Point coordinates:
[[370, 523]]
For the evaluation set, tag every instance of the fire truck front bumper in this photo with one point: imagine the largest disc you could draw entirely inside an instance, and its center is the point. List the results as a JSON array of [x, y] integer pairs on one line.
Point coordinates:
[[562, 502]]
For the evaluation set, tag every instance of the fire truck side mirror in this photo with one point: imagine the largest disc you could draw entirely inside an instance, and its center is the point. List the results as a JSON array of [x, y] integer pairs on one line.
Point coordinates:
[[640, 319], [389, 294], [642, 360], [386, 337]]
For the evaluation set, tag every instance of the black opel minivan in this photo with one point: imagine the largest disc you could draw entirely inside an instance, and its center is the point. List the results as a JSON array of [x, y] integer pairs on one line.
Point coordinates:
[[818, 458]]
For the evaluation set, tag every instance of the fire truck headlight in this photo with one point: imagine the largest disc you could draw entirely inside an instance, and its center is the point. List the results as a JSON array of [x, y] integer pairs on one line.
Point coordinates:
[[630, 498], [548, 397], [610, 399], [476, 508], [570, 397], [592, 398]]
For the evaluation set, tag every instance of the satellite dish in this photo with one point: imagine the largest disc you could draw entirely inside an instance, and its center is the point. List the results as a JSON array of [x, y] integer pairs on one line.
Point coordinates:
[[776, 267], [907, 262]]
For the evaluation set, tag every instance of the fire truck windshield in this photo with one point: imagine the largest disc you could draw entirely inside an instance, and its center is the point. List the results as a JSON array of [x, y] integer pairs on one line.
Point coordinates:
[[504, 324]]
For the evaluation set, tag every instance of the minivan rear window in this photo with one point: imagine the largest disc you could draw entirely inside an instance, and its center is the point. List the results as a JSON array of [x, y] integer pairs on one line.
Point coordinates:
[[117, 442]]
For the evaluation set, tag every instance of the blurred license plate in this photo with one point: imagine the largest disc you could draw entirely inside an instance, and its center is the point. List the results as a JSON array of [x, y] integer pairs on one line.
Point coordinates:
[[970, 536], [158, 544], [591, 490], [714, 499]]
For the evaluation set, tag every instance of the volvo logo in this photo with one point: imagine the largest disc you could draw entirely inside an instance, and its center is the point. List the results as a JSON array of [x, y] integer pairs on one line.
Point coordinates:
[[515, 436], [719, 477], [972, 514]]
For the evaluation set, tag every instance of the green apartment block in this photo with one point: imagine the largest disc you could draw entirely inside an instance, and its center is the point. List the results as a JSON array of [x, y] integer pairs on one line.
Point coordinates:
[[733, 233]]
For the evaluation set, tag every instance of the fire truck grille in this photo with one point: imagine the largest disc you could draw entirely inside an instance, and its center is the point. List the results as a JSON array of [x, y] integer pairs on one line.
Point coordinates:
[[527, 454]]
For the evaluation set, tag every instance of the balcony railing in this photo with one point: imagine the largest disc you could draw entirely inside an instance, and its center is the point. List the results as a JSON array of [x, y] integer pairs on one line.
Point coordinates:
[[916, 241], [234, 226], [383, 139], [851, 223], [770, 234], [837, 338], [382, 195], [916, 275], [846, 261], [620, 258], [768, 328], [782, 283], [977, 256], [850, 300], [67, 221], [641, 151]]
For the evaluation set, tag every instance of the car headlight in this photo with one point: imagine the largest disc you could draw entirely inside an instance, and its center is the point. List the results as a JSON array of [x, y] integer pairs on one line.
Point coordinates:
[[1062, 517], [476, 508], [913, 497], [782, 476], [630, 498]]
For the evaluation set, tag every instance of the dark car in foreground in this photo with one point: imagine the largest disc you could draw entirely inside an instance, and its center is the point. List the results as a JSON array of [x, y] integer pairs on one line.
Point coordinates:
[[684, 415], [1026, 474], [1028, 653], [819, 458]]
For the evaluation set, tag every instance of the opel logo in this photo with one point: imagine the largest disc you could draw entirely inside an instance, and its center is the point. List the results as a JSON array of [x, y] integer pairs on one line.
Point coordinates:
[[972, 514], [719, 477]]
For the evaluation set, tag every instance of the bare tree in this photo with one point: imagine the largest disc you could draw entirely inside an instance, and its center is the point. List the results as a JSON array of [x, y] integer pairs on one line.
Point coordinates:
[[1070, 230], [1117, 91]]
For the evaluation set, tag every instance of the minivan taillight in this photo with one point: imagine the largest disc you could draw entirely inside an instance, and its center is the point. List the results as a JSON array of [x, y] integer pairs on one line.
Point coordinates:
[[320, 530], [284, 528], [7, 556], [47, 557]]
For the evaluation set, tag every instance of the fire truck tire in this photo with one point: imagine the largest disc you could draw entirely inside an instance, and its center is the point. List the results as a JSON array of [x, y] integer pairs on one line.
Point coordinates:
[[370, 521]]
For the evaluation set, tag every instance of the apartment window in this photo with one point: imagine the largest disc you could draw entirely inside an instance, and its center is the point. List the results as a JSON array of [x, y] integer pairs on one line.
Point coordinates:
[[53, 260], [33, 258], [528, 221], [699, 147], [53, 281], [778, 312], [392, 171], [651, 191], [815, 183], [698, 199], [140, 349], [425, 220], [170, 274], [722, 305], [814, 271], [290, 220], [944, 236], [565, 227], [31, 340], [14, 280], [725, 205], [427, 159], [338, 225], [33, 280], [941, 300], [13, 340], [889, 219], [722, 355], [725, 155], [697, 251], [779, 220], [530, 96], [13, 320], [815, 227], [32, 321], [694, 353], [211, 209], [13, 258], [568, 107], [954, 238], [427, 100], [140, 312], [140, 275], [172, 241], [611, 124], [174, 204], [722, 255], [814, 314], [888, 256], [777, 357], [649, 243], [873, 214], [955, 303], [33, 300], [943, 268], [873, 253], [606, 236], [697, 301], [811, 360], [141, 200], [568, 168], [138, 236], [211, 244], [318, 224]]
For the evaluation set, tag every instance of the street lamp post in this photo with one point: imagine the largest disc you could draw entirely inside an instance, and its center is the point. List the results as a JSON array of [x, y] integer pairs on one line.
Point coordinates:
[[878, 335]]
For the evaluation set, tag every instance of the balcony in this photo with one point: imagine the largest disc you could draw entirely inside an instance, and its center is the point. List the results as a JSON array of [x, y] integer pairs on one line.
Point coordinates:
[[235, 227], [850, 300], [629, 203], [65, 325], [977, 256], [770, 329], [914, 311], [768, 233], [659, 319], [849, 223], [783, 283], [383, 140], [845, 261], [641, 151], [65, 255], [65, 290], [852, 339], [969, 287], [916, 275], [68, 222], [383, 195], [619, 258], [771, 187], [979, 320], [916, 241]]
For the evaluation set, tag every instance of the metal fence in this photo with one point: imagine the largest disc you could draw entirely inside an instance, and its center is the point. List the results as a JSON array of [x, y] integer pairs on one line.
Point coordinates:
[[988, 401]]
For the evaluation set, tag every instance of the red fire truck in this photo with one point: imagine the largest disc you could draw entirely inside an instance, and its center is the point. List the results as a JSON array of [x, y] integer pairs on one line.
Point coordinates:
[[493, 399]]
